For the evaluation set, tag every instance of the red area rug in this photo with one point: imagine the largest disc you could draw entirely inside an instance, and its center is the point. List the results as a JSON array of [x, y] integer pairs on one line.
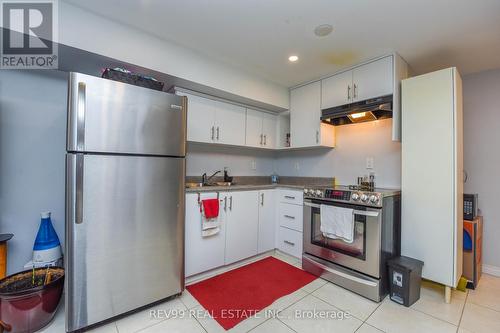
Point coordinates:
[[238, 294]]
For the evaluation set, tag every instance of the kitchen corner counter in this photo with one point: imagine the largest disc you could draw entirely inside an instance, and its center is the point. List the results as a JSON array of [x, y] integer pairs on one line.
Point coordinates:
[[248, 183], [247, 187]]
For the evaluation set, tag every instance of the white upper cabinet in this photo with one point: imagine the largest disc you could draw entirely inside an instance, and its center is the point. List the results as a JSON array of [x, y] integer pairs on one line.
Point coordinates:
[[261, 129], [336, 90], [213, 121], [229, 122], [269, 129], [305, 113], [372, 80], [200, 119], [306, 129], [254, 128]]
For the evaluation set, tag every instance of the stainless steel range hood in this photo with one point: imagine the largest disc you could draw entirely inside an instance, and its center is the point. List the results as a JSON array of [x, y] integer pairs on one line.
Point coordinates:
[[368, 110]]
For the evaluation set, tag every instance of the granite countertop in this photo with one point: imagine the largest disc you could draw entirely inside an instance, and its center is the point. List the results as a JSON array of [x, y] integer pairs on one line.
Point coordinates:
[[248, 183]]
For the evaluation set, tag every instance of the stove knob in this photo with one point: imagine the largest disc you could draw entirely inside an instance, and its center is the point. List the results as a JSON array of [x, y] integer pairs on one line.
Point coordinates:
[[319, 193], [355, 196], [374, 199], [306, 191], [364, 197]]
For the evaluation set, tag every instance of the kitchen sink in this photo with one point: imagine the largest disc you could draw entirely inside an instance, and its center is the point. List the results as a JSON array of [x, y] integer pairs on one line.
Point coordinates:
[[193, 185], [196, 185]]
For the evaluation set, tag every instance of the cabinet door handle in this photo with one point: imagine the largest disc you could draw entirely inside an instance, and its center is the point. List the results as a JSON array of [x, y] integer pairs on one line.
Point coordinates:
[[225, 204], [289, 243], [289, 197], [261, 138], [289, 217], [231, 203], [354, 95], [317, 136], [349, 92], [213, 132], [217, 132], [265, 140], [262, 199]]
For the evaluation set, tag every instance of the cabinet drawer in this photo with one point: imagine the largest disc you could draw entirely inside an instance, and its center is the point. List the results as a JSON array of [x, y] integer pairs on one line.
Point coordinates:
[[290, 241], [290, 216], [291, 196]]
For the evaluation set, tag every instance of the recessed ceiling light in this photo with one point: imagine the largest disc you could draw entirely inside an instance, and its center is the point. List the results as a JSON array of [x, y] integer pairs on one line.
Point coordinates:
[[293, 58], [323, 30]]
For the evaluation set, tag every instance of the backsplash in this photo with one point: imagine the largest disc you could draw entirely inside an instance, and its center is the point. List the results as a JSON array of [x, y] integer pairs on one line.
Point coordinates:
[[347, 160], [264, 180], [239, 161]]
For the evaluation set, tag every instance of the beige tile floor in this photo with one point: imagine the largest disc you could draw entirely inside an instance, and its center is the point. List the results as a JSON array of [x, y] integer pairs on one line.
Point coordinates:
[[475, 311]]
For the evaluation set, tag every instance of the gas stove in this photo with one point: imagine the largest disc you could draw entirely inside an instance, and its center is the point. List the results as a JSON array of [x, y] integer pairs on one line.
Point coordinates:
[[348, 194]]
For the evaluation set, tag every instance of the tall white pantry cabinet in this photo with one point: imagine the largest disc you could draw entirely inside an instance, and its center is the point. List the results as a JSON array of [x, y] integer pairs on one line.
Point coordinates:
[[432, 174]]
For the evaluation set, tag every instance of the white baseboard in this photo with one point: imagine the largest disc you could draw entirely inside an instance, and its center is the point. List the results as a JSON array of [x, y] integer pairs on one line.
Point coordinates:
[[492, 270]]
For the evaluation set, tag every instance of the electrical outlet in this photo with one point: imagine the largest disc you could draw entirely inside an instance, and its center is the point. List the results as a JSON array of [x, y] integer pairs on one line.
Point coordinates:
[[254, 165], [369, 162], [296, 166]]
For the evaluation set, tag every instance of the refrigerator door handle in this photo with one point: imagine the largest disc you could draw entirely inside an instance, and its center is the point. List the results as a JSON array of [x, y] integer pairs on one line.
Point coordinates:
[[80, 117], [79, 189]]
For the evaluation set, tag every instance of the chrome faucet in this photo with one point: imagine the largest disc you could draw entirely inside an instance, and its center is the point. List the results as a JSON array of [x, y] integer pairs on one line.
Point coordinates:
[[205, 179]]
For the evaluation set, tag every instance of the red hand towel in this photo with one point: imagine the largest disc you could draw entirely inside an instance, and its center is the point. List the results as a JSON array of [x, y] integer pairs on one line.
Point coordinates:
[[210, 208]]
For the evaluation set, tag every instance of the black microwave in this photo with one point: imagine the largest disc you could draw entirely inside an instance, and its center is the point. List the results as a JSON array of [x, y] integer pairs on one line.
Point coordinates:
[[470, 206]]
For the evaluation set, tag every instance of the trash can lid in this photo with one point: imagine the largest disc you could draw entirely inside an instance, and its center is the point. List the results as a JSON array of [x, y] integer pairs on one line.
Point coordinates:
[[406, 263]]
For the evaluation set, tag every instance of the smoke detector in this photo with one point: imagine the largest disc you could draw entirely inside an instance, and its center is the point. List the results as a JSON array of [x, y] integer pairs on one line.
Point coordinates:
[[323, 30]]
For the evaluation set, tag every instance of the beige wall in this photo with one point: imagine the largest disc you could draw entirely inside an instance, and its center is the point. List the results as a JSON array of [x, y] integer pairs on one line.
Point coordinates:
[[482, 155]]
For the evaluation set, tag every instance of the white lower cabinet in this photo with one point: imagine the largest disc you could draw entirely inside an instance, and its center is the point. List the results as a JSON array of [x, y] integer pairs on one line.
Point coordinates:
[[289, 222], [250, 224], [290, 216], [290, 241], [242, 224], [202, 253], [267, 220]]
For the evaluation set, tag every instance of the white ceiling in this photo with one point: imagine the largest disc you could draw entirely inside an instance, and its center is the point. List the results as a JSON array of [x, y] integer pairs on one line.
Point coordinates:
[[259, 35]]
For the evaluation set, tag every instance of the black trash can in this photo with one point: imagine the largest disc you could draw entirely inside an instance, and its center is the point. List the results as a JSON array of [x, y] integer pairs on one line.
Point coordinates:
[[405, 275]]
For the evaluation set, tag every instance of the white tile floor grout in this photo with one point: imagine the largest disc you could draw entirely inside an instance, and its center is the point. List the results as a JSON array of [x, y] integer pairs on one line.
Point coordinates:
[[462, 312], [479, 313]]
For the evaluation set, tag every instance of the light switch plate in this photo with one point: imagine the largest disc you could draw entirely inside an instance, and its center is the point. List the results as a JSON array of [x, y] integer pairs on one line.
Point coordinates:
[[254, 165]]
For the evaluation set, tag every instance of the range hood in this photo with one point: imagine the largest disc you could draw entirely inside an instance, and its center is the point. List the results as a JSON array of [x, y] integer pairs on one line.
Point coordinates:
[[368, 110]]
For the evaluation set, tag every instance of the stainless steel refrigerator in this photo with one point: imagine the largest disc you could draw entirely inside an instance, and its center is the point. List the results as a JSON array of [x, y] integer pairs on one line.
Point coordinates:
[[125, 170]]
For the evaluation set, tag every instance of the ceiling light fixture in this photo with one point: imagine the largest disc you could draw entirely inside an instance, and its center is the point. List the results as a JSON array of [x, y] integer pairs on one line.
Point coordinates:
[[323, 30], [293, 58]]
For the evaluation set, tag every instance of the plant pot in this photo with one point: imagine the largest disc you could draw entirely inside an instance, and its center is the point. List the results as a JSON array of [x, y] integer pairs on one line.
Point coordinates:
[[26, 307]]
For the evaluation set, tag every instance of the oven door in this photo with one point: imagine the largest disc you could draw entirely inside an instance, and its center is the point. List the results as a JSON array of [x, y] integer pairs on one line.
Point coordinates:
[[362, 255]]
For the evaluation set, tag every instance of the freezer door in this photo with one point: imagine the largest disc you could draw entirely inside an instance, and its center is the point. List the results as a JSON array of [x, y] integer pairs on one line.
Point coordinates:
[[125, 234], [111, 117]]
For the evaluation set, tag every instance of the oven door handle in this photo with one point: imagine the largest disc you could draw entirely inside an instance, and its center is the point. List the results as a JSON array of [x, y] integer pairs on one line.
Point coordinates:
[[355, 212], [366, 213]]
